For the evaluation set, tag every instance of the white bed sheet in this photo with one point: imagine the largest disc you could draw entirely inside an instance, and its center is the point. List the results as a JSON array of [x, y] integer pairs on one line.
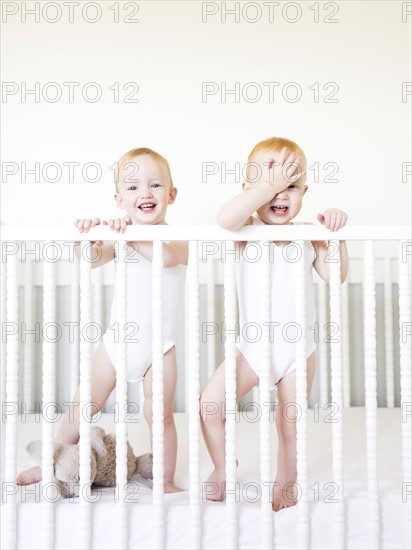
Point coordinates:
[[105, 534]]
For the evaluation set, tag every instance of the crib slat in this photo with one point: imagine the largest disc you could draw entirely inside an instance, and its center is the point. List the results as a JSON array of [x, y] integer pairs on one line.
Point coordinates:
[[9, 516], [85, 397], [264, 396], [28, 389], [369, 297], [301, 401], [337, 395], [322, 346], [389, 361], [211, 316], [48, 394], [121, 394], [74, 316], [158, 396], [98, 313], [186, 346], [3, 316], [97, 285], [194, 394], [230, 394], [405, 324], [346, 344]]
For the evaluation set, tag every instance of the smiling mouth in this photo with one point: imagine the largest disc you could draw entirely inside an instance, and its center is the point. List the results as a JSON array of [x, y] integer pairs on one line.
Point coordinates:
[[147, 207], [279, 210]]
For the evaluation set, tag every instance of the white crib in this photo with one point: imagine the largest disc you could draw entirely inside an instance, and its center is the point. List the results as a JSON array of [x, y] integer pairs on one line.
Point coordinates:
[[156, 520]]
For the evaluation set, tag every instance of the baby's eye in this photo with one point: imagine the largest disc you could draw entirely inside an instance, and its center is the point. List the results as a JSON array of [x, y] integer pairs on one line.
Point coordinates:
[[156, 185], [132, 188], [293, 186]]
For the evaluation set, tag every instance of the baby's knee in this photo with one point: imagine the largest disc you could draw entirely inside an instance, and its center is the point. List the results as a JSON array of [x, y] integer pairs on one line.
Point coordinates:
[[210, 411], [168, 416]]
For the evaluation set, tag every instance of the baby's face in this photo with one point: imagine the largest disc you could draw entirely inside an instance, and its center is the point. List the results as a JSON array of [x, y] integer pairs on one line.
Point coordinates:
[[286, 205], [145, 190]]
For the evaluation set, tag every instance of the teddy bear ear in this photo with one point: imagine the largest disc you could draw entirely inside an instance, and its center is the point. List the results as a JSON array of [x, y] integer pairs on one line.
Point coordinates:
[[97, 442], [66, 463], [34, 450]]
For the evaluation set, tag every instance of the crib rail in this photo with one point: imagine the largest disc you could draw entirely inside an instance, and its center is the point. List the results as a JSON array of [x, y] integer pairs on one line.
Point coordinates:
[[10, 237], [209, 233]]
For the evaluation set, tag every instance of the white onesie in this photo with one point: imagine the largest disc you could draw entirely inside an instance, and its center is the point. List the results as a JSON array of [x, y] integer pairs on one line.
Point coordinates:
[[284, 329], [139, 315]]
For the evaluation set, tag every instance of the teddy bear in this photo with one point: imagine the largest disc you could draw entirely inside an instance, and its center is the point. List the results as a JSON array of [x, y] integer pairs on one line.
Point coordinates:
[[103, 463]]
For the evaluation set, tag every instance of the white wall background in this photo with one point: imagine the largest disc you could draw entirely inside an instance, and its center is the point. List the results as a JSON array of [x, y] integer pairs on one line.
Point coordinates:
[[169, 53], [173, 49]]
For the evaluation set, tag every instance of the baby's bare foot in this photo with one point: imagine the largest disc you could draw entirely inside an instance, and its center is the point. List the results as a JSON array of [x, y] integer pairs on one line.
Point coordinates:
[[284, 495], [215, 486], [172, 488], [30, 476]]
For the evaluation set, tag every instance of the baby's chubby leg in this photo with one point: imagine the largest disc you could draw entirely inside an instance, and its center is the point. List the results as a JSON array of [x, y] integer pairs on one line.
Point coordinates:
[[284, 490], [170, 435], [103, 380], [213, 420]]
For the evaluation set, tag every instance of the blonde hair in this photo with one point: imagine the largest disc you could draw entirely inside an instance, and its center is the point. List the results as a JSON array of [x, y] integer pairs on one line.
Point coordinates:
[[139, 152], [276, 144]]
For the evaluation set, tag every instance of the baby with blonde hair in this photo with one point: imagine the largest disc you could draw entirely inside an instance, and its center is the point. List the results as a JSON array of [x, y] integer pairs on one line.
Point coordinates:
[[144, 188], [272, 195]]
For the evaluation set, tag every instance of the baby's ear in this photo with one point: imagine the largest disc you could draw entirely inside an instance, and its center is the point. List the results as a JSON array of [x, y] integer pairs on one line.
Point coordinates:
[[172, 195], [118, 199], [245, 186]]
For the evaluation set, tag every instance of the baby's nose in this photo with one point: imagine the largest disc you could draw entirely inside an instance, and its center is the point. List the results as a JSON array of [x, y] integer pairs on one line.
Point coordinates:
[[146, 192]]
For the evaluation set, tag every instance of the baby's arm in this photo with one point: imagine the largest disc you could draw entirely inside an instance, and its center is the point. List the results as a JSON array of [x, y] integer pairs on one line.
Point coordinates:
[[333, 219], [174, 253], [237, 212], [104, 250], [275, 176]]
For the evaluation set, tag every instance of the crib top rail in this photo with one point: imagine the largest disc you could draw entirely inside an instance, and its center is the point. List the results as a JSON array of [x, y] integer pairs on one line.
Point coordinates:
[[207, 233]]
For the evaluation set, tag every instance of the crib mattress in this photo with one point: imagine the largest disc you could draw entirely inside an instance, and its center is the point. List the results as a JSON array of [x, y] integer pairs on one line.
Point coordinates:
[[105, 534]]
